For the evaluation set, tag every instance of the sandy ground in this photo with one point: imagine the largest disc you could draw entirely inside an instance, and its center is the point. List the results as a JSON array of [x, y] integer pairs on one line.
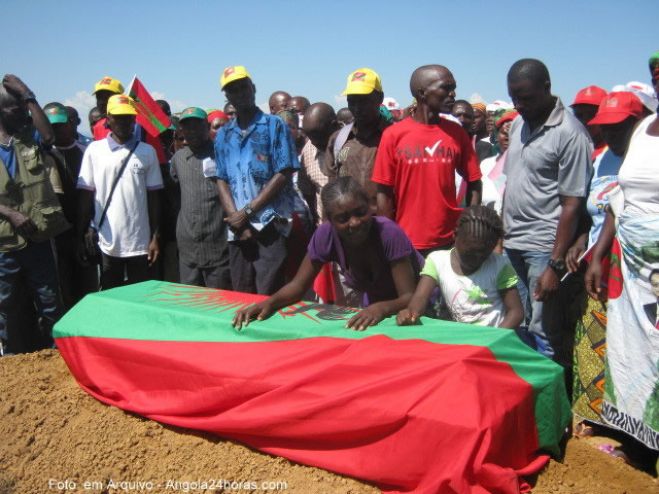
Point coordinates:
[[56, 438]]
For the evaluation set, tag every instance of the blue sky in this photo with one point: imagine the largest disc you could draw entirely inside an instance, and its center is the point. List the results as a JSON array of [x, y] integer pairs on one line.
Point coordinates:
[[178, 49]]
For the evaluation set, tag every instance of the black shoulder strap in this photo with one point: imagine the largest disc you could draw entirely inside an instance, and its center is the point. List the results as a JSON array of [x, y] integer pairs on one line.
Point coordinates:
[[60, 163], [114, 185]]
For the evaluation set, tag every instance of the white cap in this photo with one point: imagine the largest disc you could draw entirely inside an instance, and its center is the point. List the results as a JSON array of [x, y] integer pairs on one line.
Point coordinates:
[[645, 93], [497, 105], [450, 117], [390, 103]]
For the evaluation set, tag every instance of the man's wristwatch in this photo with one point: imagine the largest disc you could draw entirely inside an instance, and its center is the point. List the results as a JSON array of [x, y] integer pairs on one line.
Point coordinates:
[[558, 265], [248, 210], [28, 96]]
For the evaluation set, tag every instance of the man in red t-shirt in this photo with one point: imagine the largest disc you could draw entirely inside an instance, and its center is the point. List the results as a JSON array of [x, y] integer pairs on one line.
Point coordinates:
[[416, 163]]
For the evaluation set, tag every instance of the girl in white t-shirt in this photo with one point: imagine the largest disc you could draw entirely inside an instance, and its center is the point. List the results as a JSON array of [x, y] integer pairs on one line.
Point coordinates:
[[478, 285]]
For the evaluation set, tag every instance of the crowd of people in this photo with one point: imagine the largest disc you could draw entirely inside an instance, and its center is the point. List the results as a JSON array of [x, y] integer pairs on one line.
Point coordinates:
[[500, 214]]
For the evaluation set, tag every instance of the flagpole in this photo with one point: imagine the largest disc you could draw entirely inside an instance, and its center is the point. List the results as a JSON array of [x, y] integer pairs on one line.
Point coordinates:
[[130, 86], [581, 257]]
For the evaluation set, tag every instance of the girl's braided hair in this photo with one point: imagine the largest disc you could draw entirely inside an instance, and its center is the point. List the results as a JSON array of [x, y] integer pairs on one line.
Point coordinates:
[[480, 223], [333, 191]]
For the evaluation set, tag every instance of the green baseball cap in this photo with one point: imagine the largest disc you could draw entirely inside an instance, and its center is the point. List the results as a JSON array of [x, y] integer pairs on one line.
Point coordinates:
[[57, 114], [654, 61], [193, 112]]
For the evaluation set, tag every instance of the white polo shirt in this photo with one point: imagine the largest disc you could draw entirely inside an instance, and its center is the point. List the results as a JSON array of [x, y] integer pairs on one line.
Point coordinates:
[[125, 231]]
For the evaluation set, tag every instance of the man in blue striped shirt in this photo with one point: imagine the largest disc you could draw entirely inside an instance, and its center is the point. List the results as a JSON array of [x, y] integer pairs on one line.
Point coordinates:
[[255, 158]]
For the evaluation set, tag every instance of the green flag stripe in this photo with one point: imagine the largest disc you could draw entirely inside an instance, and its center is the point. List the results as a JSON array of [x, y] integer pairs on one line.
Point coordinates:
[[158, 307], [146, 112]]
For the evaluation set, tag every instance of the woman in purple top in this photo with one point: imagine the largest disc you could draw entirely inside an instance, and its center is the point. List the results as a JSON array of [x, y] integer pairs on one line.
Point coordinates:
[[373, 253]]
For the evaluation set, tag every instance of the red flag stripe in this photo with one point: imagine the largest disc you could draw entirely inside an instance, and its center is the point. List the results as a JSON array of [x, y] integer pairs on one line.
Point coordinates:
[[149, 114], [409, 416]]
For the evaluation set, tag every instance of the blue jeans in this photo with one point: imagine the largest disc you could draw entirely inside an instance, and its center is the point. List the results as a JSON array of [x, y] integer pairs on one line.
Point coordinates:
[[36, 263], [540, 331]]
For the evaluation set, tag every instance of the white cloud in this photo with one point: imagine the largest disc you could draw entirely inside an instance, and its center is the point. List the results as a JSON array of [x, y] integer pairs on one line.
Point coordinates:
[[81, 98], [83, 102], [340, 100], [265, 107], [176, 105], [476, 98]]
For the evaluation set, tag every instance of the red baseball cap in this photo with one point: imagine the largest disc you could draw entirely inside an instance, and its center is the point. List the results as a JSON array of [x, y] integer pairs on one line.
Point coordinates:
[[591, 95], [616, 107], [217, 114], [509, 116]]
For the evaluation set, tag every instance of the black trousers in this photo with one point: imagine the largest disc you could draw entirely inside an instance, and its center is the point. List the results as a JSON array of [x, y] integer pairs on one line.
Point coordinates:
[[257, 265], [119, 271], [75, 280], [210, 277]]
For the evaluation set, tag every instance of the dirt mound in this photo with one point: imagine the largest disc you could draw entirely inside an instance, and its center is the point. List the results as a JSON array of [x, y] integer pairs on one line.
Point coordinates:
[[56, 438]]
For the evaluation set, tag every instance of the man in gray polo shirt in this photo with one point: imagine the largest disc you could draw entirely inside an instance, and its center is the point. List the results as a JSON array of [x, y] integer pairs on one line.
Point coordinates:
[[200, 229], [548, 169]]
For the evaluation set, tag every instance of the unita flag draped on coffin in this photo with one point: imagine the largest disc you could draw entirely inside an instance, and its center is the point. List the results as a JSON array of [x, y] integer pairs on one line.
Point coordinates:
[[441, 407]]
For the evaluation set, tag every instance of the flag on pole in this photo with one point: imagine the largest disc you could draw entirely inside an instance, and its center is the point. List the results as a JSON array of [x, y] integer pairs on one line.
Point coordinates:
[[432, 408], [149, 114]]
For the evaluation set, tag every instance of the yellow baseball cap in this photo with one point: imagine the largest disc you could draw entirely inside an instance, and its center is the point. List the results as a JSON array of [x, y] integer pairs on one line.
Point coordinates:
[[109, 84], [233, 73], [120, 104], [363, 81]]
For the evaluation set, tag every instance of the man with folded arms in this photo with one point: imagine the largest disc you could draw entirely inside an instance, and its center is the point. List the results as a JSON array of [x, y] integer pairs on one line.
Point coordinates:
[[255, 160], [200, 229]]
